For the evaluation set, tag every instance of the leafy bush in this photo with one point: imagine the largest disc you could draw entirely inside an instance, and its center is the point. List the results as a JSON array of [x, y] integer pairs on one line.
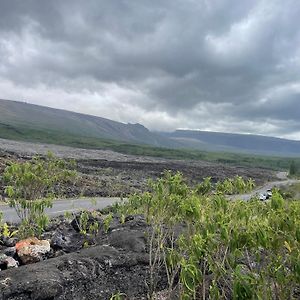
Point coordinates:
[[225, 249], [236, 185], [294, 169], [30, 189], [86, 222]]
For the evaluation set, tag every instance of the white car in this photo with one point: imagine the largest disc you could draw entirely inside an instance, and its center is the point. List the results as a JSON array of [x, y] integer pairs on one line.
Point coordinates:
[[262, 197], [269, 193]]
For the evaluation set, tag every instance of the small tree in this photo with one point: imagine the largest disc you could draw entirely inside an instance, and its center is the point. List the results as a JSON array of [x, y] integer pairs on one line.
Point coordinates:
[[293, 169], [205, 187], [30, 189]]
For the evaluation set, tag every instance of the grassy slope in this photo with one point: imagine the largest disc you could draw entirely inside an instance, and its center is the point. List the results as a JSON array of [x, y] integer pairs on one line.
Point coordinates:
[[61, 138], [18, 114]]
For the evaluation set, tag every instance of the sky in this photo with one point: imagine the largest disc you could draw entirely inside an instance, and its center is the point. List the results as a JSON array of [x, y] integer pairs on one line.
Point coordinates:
[[218, 65]]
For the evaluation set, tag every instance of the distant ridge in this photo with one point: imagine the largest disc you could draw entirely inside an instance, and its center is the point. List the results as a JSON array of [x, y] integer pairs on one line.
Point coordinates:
[[233, 142], [16, 114], [24, 121]]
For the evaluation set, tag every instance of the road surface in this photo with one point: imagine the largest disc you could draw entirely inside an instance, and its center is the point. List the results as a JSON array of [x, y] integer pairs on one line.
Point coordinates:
[[62, 206], [268, 186], [73, 205]]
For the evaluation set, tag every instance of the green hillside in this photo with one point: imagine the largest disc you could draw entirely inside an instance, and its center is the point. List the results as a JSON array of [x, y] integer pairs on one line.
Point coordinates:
[[35, 117], [15, 115], [34, 123], [22, 133]]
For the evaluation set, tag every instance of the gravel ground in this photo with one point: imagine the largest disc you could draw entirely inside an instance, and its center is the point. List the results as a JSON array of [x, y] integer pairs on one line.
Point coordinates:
[[110, 174], [25, 148]]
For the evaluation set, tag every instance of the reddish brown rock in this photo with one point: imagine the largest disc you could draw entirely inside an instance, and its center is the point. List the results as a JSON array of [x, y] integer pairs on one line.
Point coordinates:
[[32, 250]]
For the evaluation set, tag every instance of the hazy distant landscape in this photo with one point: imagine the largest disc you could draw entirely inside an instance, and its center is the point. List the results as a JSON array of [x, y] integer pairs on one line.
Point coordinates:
[[26, 122], [64, 179], [149, 150]]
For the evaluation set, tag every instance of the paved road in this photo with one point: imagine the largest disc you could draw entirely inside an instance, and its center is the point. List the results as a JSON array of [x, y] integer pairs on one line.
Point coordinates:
[[264, 188], [61, 206], [73, 205]]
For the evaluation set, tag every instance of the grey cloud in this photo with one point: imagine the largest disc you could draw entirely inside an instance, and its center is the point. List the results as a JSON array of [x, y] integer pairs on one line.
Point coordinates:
[[187, 62]]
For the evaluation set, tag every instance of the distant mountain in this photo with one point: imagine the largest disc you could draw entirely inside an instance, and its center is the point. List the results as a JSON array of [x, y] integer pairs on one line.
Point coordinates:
[[17, 115], [19, 120], [230, 142]]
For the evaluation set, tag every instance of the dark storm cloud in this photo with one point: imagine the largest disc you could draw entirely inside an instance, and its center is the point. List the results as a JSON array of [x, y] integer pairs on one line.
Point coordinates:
[[223, 65]]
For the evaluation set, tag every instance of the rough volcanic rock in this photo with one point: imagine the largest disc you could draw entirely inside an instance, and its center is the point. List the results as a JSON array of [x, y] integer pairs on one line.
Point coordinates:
[[91, 220], [11, 263], [10, 242], [10, 251], [3, 258], [65, 238], [32, 250], [7, 262], [114, 175], [131, 240], [94, 273], [119, 262], [130, 236]]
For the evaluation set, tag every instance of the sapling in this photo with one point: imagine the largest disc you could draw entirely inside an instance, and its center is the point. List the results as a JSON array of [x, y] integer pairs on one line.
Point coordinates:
[[30, 188], [107, 221]]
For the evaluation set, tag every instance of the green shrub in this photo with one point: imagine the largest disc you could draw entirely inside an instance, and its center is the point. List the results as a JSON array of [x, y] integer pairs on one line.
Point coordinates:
[[30, 189], [236, 185], [226, 249], [294, 169]]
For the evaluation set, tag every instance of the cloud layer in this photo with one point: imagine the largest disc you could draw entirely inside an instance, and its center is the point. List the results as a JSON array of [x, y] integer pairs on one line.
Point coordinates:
[[223, 65]]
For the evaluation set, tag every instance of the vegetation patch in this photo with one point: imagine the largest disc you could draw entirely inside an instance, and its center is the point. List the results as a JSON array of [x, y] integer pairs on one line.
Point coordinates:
[[29, 187], [189, 242], [225, 249], [25, 133], [294, 170]]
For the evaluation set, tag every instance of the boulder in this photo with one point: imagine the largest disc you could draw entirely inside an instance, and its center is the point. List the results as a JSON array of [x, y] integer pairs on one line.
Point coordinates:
[[137, 222], [7, 262], [131, 240], [94, 273], [130, 235], [10, 251], [32, 250], [3, 258], [67, 239], [10, 242], [11, 263]]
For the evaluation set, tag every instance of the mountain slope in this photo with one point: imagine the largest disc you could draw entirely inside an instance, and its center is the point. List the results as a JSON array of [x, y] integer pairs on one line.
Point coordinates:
[[218, 141], [22, 121], [22, 115]]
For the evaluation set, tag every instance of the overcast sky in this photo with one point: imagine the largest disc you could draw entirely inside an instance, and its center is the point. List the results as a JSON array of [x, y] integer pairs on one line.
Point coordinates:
[[221, 65]]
